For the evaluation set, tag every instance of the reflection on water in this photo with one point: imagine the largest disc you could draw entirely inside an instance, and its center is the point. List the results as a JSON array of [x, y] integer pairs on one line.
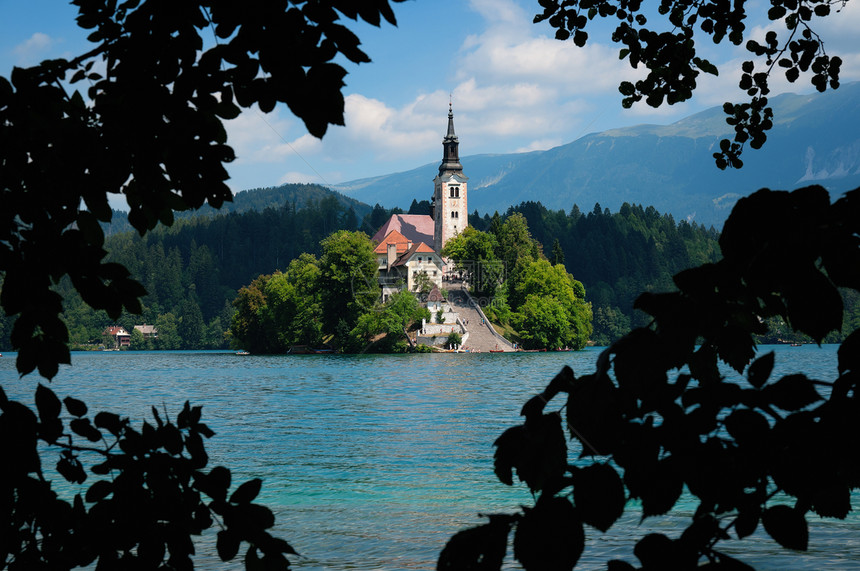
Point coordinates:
[[373, 462]]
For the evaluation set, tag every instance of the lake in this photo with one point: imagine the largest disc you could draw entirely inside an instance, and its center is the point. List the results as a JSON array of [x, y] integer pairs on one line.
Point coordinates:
[[372, 462]]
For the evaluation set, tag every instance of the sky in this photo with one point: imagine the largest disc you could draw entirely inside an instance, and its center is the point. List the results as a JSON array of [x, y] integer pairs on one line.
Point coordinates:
[[513, 87]]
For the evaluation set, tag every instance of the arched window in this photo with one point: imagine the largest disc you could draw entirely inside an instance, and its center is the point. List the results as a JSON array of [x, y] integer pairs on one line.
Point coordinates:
[[454, 191]]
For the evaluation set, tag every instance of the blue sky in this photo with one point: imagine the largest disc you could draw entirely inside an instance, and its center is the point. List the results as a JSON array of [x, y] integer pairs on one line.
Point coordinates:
[[514, 88]]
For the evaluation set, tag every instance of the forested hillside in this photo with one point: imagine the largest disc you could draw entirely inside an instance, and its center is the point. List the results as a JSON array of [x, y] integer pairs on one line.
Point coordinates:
[[618, 255], [194, 269], [297, 196]]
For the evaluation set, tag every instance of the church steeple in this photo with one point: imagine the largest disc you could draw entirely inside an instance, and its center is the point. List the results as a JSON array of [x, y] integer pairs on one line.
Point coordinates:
[[450, 146], [449, 206]]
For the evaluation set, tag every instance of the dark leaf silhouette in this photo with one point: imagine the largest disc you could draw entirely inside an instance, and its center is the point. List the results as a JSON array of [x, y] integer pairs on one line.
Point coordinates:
[[661, 488], [246, 492], [227, 544], [737, 447], [480, 548], [832, 500], [792, 392], [549, 536], [75, 406], [82, 427], [787, 526], [98, 491], [849, 354], [594, 414], [598, 493], [759, 370], [536, 449], [747, 521], [747, 427]]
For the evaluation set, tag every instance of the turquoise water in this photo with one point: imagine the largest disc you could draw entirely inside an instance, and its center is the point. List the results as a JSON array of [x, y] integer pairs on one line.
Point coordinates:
[[373, 462]]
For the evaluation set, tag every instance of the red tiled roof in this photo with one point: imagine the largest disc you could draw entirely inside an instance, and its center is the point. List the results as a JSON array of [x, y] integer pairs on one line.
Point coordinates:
[[419, 248], [393, 237], [424, 249], [114, 330], [415, 227]]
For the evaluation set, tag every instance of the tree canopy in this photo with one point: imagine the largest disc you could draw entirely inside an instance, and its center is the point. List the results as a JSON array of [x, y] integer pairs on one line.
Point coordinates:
[[162, 80], [149, 127]]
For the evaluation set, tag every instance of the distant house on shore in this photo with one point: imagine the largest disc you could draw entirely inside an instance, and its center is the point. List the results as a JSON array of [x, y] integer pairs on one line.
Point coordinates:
[[120, 337], [149, 331]]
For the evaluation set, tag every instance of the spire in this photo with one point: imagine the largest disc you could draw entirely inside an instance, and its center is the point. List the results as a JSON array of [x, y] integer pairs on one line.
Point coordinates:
[[450, 144], [451, 135]]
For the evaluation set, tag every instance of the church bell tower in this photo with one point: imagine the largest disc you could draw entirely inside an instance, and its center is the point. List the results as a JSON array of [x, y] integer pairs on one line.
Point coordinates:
[[450, 211]]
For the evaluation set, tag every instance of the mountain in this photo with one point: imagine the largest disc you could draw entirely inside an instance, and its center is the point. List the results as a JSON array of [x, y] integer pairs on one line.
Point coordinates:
[[815, 140], [297, 196]]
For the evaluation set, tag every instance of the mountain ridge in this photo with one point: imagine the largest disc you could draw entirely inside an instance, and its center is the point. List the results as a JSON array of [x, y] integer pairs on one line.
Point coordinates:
[[815, 140]]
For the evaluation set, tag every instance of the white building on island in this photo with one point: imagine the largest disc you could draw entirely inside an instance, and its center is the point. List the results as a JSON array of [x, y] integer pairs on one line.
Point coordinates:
[[410, 244]]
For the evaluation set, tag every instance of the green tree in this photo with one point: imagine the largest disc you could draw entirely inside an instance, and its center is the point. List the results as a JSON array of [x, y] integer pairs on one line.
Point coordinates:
[[385, 328], [474, 253], [515, 241], [542, 296], [293, 304], [138, 343], [348, 277], [557, 253], [454, 340], [610, 324], [248, 328], [542, 323], [423, 283], [471, 244], [191, 325], [169, 335]]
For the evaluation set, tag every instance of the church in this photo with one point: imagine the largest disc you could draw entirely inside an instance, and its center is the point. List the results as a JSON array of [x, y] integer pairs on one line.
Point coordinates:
[[410, 244]]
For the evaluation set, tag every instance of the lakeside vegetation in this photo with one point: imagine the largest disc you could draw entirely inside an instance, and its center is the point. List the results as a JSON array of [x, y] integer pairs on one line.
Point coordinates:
[[194, 270]]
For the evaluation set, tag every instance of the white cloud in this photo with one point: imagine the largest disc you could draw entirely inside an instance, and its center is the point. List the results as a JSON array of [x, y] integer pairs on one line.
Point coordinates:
[[259, 137], [500, 12], [372, 126], [33, 49]]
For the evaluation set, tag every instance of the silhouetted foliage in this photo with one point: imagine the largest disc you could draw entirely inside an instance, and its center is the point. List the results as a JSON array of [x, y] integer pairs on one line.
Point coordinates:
[[150, 494], [673, 64], [660, 415], [160, 84], [151, 129]]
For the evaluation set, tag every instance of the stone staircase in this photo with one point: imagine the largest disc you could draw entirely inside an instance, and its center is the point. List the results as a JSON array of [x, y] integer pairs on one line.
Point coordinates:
[[480, 338]]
